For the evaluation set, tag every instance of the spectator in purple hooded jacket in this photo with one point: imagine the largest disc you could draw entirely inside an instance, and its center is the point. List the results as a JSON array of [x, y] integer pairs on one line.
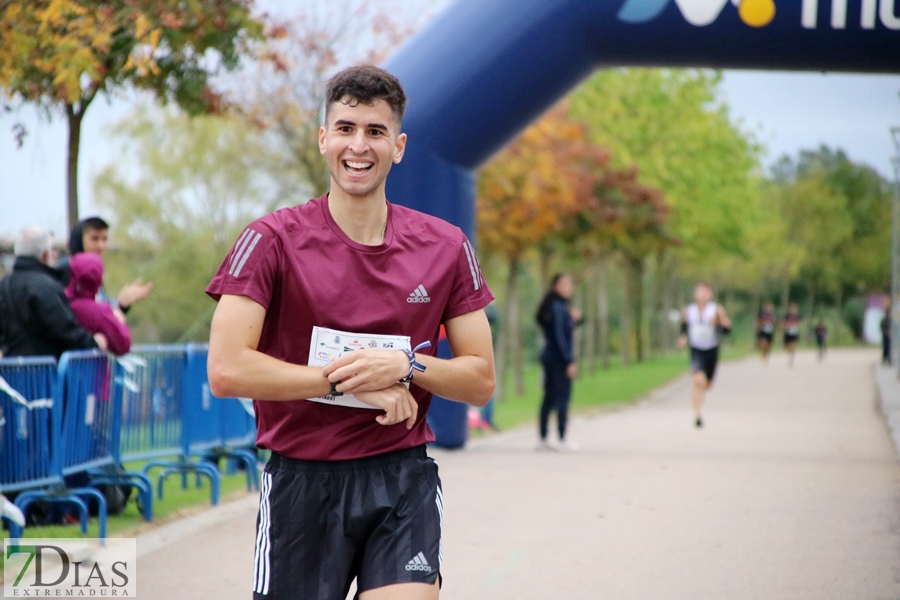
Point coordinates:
[[97, 317]]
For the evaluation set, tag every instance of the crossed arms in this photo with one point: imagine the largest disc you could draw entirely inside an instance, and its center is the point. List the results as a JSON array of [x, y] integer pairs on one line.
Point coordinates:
[[237, 368]]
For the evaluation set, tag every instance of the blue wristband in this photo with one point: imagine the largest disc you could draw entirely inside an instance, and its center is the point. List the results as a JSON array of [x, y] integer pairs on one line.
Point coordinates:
[[414, 365]]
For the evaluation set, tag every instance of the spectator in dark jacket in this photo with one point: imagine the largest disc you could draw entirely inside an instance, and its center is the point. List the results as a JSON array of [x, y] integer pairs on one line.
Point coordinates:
[[86, 275], [35, 316], [558, 323]]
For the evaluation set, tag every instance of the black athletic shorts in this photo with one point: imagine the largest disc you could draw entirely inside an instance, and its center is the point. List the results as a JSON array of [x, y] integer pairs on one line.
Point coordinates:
[[705, 360], [763, 335], [321, 524], [791, 338]]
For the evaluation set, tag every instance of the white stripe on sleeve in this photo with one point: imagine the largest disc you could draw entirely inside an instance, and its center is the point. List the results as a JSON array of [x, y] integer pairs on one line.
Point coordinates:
[[238, 246], [470, 255], [239, 249], [247, 254]]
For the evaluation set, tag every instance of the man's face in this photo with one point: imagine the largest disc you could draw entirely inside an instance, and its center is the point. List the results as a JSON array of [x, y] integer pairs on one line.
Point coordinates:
[[94, 240], [702, 294], [360, 143]]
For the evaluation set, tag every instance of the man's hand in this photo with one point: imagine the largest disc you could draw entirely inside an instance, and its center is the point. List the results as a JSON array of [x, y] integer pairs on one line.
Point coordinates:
[[367, 370], [102, 343], [134, 292], [682, 341], [397, 403], [575, 314], [572, 370]]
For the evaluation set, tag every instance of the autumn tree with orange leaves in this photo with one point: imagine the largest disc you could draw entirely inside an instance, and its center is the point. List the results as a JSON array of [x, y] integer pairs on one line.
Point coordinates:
[[525, 196], [58, 55]]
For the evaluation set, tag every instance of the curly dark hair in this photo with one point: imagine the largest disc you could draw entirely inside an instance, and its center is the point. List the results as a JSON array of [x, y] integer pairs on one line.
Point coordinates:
[[365, 84]]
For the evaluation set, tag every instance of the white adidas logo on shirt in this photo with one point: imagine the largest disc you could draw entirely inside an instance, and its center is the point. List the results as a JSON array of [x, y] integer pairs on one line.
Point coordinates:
[[419, 295], [418, 563]]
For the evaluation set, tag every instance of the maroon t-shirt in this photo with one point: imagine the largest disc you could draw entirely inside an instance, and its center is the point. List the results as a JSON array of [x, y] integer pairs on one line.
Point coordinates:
[[300, 266]]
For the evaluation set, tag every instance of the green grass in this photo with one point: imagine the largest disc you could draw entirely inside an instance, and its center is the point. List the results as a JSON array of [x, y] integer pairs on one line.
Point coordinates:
[[606, 387]]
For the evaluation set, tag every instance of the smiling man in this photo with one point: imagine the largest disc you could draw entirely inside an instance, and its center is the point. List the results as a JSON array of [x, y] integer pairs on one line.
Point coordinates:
[[361, 287]]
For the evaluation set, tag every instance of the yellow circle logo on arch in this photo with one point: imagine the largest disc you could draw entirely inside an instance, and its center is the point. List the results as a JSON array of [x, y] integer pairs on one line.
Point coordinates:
[[757, 13]]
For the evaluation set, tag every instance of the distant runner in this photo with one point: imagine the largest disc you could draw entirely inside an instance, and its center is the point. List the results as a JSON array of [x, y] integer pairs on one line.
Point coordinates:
[[821, 333], [765, 330], [791, 331], [701, 324]]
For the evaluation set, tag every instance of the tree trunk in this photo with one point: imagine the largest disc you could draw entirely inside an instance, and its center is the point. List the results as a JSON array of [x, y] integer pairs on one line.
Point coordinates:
[[625, 320], [512, 320], [74, 118], [519, 354], [603, 309], [636, 277], [589, 327], [840, 315], [506, 329], [658, 319], [811, 301], [785, 295], [755, 307], [547, 255], [667, 307]]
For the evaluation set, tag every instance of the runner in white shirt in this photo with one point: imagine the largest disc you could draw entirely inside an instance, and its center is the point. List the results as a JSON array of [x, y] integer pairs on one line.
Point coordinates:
[[701, 324]]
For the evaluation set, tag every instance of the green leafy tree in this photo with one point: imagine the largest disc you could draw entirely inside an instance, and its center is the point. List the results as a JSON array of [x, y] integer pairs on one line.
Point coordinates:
[[178, 214], [864, 257], [673, 125]]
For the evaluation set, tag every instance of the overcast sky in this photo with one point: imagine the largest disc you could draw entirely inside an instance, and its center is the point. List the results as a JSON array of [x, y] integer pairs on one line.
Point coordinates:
[[788, 112]]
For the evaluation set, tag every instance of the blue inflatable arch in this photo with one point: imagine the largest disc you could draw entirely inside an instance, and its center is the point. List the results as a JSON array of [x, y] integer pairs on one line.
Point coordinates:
[[484, 69]]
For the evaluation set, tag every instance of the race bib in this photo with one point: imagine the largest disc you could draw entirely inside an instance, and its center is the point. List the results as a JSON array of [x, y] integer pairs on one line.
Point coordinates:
[[329, 344], [767, 328], [792, 330]]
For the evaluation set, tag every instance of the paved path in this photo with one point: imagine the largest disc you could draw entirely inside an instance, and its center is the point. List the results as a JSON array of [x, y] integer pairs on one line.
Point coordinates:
[[792, 491]]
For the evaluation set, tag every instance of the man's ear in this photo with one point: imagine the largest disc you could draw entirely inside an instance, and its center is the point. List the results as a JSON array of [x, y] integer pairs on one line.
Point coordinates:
[[322, 140], [399, 148]]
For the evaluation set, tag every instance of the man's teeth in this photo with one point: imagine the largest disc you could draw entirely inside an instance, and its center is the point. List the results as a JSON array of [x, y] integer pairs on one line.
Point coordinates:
[[357, 165]]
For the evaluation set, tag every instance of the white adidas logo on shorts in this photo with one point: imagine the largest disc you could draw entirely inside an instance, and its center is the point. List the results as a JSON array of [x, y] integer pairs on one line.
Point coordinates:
[[419, 295], [418, 563]]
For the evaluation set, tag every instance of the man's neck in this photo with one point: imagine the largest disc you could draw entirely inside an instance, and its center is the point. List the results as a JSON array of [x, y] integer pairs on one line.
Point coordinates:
[[362, 218]]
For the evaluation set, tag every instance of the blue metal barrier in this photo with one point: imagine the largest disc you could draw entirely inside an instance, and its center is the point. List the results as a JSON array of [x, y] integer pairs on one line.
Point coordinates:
[[156, 416], [26, 433], [92, 426], [34, 439], [153, 408], [92, 413], [216, 427]]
